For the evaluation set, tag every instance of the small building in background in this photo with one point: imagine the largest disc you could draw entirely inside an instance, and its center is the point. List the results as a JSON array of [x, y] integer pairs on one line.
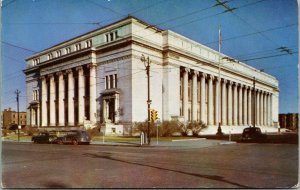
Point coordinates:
[[289, 121], [10, 117]]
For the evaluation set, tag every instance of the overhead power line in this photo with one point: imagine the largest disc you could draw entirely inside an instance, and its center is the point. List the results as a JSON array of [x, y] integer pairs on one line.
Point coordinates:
[[245, 35], [16, 46], [257, 58]]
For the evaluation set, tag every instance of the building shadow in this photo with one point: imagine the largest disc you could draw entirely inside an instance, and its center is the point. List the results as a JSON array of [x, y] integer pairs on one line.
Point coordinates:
[[107, 155]]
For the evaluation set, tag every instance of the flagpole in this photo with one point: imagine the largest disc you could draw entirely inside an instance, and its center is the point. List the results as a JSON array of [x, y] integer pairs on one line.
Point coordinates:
[[219, 95]]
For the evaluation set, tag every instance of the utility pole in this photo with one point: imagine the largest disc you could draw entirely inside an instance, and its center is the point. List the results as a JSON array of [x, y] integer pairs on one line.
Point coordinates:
[[254, 102], [146, 62], [17, 93]]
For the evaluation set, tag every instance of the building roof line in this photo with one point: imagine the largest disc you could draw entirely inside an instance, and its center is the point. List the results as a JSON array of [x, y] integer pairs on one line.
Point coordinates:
[[97, 29]]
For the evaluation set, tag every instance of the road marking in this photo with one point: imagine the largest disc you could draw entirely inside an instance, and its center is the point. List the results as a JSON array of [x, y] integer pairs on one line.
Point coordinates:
[[189, 139]]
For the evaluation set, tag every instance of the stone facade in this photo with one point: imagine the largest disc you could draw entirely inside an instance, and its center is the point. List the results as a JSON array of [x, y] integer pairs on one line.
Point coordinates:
[[99, 78]]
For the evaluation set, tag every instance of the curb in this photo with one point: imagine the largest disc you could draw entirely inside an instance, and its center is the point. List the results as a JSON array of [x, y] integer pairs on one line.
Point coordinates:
[[228, 142], [189, 139]]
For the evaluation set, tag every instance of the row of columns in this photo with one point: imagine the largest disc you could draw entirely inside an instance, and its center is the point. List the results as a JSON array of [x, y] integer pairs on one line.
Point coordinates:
[[227, 102], [70, 94]]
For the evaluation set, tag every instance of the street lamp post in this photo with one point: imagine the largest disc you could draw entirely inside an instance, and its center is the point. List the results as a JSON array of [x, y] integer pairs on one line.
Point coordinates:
[[146, 62]]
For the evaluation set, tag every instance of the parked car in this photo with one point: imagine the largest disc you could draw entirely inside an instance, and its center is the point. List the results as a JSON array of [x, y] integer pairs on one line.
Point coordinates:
[[253, 134], [44, 137], [74, 137]]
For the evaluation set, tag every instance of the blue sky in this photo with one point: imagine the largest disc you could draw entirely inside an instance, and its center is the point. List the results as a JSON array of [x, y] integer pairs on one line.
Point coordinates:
[[252, 33]]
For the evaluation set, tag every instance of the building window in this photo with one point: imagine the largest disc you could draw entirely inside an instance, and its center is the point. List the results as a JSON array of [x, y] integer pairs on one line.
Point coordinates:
[[111, 36], [36, 61], [88, 43], [77, 47], [68, 50], [116, 81], [58, 53], [111, 81], [35, 95], [50, 56], [106, 82]]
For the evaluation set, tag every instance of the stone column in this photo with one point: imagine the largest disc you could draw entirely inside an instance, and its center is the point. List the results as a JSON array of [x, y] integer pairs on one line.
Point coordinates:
[[270, 108], [240, 105], [194, 97], [224, 107], [250, 106], [235, 105], [117, 108], [33, 115], [52, 101], [61, 96], [38, 115], [265, 108], [81, 93], [203, 117], [210, 100], [185, 94], [93, 104], [261, 109], [44, 100], [258, 107], [245, 106], [218, 102], [230, 103], [71, 87]]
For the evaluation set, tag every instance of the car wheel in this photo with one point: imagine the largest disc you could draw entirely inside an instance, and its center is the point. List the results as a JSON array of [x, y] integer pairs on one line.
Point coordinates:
[[59, 142], [74, 142]]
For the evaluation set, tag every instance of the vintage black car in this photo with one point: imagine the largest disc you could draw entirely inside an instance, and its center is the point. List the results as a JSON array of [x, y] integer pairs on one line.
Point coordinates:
[[44, 137], [74, 137], [253, 134]]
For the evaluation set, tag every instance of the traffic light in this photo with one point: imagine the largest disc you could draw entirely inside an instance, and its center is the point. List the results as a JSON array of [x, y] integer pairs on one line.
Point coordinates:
[[153, 115]]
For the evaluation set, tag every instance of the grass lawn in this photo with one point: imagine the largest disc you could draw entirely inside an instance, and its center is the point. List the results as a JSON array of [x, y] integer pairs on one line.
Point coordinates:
[[14, 137], [134, 139]]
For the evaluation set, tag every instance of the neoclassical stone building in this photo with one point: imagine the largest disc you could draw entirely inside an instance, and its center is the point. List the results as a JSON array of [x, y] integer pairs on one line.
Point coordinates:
[[99, 77]]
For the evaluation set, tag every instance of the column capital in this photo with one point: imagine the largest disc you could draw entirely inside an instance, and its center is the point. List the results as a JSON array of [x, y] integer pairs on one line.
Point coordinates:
[[204, 75], [218, 79], [196, 73], [187, 70], [224, 81], [211, 77], [69, 71], [79, 68], [43, 77], [59, 73], [230, 83], [92, 65], [51, 75]]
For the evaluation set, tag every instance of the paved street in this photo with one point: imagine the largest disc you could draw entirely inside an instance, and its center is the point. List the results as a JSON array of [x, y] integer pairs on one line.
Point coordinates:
[[198, 164]]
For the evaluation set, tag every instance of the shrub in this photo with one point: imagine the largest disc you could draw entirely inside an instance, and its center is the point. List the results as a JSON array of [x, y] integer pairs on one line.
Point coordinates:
[[94, 131], [195, 127], [30, 130], [167, 128], [4, 132], [143, 127]]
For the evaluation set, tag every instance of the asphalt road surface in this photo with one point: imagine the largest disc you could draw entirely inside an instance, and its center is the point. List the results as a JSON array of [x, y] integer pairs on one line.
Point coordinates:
[[26, 165]]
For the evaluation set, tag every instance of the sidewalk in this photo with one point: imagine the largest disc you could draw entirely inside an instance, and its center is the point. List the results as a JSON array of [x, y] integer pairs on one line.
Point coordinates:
[[175, 143]]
